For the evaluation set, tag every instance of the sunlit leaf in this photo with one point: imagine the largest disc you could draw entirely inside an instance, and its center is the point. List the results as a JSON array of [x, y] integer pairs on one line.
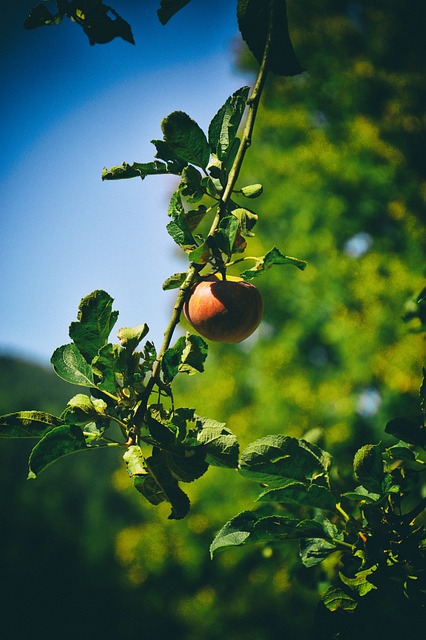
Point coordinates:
[[70, 365], [313, 495], [95, 322], [224, 126], [174, 281], [27, 424], [130, 337], [273, 257], [219, 442], [57, 443]]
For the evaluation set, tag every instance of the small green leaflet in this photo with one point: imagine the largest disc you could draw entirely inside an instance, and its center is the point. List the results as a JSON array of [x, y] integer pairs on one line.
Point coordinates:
[[314, 550], [360, 582], [335, 599], [130, 337], [70, 365], [274, 256], [186, 356], [95, 322], [186, 139], [174, 281], [368, 467], [135, 170], [224, 126], [57, 443], [27, 424]]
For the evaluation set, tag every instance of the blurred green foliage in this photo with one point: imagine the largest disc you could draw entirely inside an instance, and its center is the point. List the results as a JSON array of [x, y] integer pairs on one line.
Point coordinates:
[[339, 153]]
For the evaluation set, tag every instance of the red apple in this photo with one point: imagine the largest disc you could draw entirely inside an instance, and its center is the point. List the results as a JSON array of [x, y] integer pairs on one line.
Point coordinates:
[[224, 310]]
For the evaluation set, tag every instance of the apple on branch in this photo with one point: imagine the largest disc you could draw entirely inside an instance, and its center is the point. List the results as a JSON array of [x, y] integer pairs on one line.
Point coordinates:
[[224, 310]]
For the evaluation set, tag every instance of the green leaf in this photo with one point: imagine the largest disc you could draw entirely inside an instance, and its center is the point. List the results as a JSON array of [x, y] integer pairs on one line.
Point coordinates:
[[135, 170], [247, 219], [178, 228], [191, 186], [408, 430], [254, 17], [40, 16], [200, 255], [57, 443], [368, 467], [335, 599], [174, 281], [219, 442], [27, 424], [108, 366], [186, 463], [186, 356], [274, 458], [80, 410], [160, 486], [250, 527], [135, 461], [313, 495], [130, 337], [186, 139], [226, 234], [165, 152], [274, 256], [315, 550], [168, 8], [162, 433], [235, 532], [360, 582], [95, 322], [70, 365], [361, 494], [252, 191], [224, 126]]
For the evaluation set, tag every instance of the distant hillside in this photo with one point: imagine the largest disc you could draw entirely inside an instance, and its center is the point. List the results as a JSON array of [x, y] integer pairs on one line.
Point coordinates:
[[26, 385]]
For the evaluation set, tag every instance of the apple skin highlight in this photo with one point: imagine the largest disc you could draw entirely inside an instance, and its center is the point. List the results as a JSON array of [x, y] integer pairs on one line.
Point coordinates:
[[224, 310]]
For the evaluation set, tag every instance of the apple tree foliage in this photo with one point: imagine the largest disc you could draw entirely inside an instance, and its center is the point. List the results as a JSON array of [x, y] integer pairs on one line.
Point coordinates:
[[374, 528]]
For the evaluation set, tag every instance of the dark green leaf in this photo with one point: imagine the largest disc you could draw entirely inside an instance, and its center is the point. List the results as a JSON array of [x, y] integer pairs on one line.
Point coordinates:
[[335, 599], [186, 356], [108, 366], [165, 152], [224, 126], [174, 281], [186, 463], [168, 8], [368, 467], [57, 443], [80, 410], [27, 424], [274, 458], [41, 16], [254, 17], [186, 139], [247, 219], [95, 322], [235, 532], [250, 527], [361, 494], [160, 486], [315, 550], [194, 216], [219, 442], [162, 433], [191, 185], [135, 170], [313, 495], [200, 255], [408, 430], [226, 234], [274, 256], [70, 365]]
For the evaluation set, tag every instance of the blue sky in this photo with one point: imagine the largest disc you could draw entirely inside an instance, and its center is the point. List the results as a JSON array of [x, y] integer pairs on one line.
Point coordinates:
[[68, 110]]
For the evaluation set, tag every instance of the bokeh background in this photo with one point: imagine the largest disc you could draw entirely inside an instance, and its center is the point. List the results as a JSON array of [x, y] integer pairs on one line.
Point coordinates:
[[339, 151]]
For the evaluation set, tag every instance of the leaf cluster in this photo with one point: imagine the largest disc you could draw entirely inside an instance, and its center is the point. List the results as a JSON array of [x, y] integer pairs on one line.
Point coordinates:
[[376, 528], [127, 403], [205, 164]]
